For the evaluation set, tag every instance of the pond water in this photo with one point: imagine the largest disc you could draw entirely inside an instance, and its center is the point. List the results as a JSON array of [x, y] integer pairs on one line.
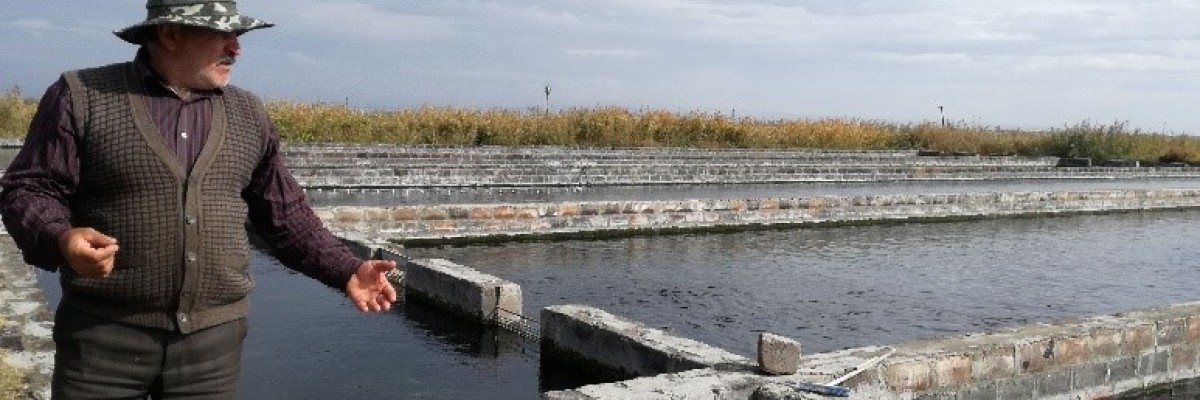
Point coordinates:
[[833, 288]]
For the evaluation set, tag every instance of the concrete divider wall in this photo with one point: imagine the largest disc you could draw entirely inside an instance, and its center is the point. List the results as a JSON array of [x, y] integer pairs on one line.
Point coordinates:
[[317, 151], [1089, 358], [438, 223], [674, 175], [612, 346], [477, 296], [385, 166]]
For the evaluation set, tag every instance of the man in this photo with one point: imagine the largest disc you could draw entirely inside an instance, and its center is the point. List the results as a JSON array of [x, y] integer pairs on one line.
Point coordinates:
[[135, 183]]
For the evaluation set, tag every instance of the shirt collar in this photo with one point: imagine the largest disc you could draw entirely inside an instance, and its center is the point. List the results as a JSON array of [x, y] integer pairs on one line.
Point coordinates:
[[154, 81]]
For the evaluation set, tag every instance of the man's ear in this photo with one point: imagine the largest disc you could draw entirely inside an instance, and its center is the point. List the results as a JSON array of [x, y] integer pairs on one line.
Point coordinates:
[[169, 36]]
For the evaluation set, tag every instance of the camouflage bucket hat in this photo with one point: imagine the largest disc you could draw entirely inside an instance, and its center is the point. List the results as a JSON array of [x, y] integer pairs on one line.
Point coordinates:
[[217, 15]]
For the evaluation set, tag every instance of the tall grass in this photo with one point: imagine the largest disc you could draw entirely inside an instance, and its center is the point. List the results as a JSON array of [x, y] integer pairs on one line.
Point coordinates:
[[15, 112], [621, 127]]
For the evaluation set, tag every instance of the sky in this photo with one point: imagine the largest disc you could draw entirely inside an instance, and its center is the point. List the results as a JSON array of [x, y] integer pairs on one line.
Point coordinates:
[[1013, 64]]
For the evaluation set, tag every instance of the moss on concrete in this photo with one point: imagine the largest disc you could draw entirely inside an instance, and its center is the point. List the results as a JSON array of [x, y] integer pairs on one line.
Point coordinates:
[[12, 379]]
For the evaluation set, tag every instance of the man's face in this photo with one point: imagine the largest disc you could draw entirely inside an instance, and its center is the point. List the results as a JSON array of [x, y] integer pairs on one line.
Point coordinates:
[[208, 56]]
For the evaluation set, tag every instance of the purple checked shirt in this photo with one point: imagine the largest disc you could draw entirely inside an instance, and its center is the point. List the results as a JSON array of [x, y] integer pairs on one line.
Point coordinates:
[[45, 173]]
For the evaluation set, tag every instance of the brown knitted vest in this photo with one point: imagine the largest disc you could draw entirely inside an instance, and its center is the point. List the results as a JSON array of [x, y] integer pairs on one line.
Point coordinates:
[[184, 255]]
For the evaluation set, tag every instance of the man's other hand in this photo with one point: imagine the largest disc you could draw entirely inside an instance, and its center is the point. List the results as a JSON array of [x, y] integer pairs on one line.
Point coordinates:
[[88, 252], [369, 288]]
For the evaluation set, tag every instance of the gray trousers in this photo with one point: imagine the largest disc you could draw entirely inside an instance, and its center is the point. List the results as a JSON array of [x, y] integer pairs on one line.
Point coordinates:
[[96, 358]]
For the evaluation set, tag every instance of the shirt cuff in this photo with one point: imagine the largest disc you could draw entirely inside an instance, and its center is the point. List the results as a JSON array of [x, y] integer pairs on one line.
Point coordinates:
[[49, 255], [346, 266]]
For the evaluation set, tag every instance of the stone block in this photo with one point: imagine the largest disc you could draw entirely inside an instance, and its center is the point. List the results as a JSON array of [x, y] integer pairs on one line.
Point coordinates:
[[937, 395], [777, 355], [1018, 388], [459, 212], [1123, 369], [481, 213], [374, 214], [1137, 338], [1152, 363], [1106, 342], [993, 363], [480, 297], [1054, 383], [594, 339], [1170, 332], [952, 370], [528, 213], [1072, 350], [1192, 334], [434, 214], [348, 215], [909, 376], [404, 214], [1034, 356], [1089, 376], [503, 212], [1183, 358], [983, 391], [568, 209]]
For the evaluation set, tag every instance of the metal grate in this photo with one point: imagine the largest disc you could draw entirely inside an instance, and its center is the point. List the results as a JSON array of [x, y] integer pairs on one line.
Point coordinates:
[[525, 327]]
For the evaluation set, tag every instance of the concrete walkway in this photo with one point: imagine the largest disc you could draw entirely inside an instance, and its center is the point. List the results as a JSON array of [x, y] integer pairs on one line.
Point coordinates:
[[25, 323]]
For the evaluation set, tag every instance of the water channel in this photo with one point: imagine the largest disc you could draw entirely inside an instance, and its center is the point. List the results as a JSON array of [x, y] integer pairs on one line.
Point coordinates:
[[830, 288]]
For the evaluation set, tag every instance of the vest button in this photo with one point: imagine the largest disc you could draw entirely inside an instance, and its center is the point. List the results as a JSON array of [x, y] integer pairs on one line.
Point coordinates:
[[182, 317], [191, 219], [191, 256]]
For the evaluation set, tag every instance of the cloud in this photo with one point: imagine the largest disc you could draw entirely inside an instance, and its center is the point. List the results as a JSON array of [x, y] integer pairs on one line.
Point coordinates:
[[1147, 63], [606, 54], [302, 60], [361, 21], [34, 24], [943, 59], [1113, 62], [41, 28], [509, 14]]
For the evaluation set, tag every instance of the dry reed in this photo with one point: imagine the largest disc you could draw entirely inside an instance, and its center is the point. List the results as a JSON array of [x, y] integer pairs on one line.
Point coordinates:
[[620, 127]]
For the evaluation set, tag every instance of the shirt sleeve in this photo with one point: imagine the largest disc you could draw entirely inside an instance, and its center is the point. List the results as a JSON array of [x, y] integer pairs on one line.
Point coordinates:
[[38, 182], [281, 216]]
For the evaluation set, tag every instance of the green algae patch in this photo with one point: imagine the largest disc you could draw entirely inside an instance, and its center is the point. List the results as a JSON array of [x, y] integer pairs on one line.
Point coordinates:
[[12, 380]]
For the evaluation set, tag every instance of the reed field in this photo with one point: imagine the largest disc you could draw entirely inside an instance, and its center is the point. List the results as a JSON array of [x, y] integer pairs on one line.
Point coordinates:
[[621, 127]]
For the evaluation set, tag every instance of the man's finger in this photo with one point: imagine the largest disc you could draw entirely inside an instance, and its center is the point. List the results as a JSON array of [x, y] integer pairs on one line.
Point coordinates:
[[389, 292], [107, 252], [381, 266]]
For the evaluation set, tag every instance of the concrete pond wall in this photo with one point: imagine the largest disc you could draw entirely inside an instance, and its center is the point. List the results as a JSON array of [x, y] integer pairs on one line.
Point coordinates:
[[341, 167], [433, 224], [1088, 358]]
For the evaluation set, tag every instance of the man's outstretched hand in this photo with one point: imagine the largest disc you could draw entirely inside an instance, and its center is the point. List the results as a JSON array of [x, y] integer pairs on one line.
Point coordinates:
[[369, 288], [88, 252]]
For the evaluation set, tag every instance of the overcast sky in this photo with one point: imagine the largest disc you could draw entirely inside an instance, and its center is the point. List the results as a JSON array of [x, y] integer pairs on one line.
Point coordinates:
[[999, 63]]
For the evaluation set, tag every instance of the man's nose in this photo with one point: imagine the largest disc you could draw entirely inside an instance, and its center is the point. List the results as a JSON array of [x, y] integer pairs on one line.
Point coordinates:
[[232, 46]]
